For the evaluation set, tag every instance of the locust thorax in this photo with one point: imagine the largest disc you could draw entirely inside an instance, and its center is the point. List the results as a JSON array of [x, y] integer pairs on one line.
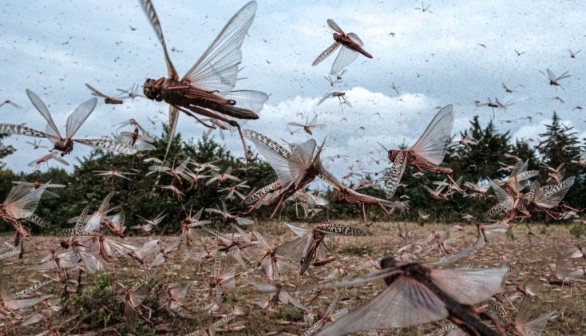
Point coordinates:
[[64, 146], [152, 89]]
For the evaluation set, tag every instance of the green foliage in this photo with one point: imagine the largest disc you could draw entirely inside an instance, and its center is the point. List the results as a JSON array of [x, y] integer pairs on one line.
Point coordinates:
[[560, 145], [97, 305], [577, 230], [4, 151], [139, 196], [356, 250], [142, 196]]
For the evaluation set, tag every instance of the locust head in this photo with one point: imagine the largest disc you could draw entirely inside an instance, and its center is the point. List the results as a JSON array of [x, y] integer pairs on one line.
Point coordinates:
[[393, 154], [152, 89]]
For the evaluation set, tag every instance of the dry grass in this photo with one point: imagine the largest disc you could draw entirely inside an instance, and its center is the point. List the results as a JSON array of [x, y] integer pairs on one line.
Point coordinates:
[[527, 256]]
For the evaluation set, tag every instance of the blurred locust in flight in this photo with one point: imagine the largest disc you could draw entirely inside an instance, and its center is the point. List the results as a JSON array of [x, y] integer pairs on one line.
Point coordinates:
[[351, 46]]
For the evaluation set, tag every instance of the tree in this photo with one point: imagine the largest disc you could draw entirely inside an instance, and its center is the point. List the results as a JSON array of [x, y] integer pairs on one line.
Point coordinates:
[[559, 144], [4, 151]]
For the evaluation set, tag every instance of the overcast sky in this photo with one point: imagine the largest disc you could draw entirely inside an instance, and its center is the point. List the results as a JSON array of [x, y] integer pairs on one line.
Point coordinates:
[[456, 52]]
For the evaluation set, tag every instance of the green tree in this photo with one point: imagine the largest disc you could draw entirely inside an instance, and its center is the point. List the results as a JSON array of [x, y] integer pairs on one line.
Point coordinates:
[[560, 144]]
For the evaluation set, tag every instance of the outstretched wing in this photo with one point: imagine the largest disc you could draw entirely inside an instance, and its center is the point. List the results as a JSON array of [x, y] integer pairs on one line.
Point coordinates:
[[335, 26], [52, 129], [432, 144], [346, 55], [23, 130], [277, 156], [550, 196], [149, 10], [79, 116], [404, 303], [108, 145], [217, 69], [326, 53], [393, 176]]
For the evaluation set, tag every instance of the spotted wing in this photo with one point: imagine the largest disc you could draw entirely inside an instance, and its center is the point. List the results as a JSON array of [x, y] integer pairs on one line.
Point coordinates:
[[551, 195], [406, 302], [52, 129], [217, 69], [79, 116], [432, 144], [108, 145], [23, 130], [149, 10], [276, 155], [329, 50], [393, 176]]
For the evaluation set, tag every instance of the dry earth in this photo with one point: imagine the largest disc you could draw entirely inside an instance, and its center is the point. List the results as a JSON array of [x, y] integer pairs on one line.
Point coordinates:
[[528, 257]]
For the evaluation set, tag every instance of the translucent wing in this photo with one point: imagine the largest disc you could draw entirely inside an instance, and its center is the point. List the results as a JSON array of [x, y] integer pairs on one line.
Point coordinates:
[[44, 111], [293, 250], [300, 160], [344, 58], [502, 196], [248, 99], [217, 69], [149, 10], [108, 145], [287, 298], [551, 75], [329, 50], [297, 230], [531, 327], [21, 202], [95, 91], [404, 303], [355, 39], [470, 286], [334, 26], [79, 116], [433, 142]]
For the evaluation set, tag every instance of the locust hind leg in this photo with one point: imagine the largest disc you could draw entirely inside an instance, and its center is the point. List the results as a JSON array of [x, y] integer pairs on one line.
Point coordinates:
[[455, 184], [281, 200], [231, 122], [364, 218]]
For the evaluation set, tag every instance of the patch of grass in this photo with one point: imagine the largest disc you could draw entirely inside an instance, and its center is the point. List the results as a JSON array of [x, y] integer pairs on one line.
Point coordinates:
[[577, 230], [356, 250], [97, 305]]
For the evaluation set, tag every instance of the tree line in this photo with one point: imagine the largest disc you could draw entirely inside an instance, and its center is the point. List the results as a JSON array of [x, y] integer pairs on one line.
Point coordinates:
[[483, 153]]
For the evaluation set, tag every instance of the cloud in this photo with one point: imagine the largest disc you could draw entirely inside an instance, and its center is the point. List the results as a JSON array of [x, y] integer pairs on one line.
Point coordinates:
[[434, 60]]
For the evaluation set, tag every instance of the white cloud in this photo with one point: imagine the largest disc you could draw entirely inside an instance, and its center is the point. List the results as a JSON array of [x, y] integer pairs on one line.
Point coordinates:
[[434, 59]]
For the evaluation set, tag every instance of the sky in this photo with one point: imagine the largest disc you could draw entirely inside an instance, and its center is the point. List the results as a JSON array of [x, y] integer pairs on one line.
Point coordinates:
[[455, 52]]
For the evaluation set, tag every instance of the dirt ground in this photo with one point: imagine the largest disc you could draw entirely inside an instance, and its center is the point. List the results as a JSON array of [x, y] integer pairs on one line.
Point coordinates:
[[97, 307]]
